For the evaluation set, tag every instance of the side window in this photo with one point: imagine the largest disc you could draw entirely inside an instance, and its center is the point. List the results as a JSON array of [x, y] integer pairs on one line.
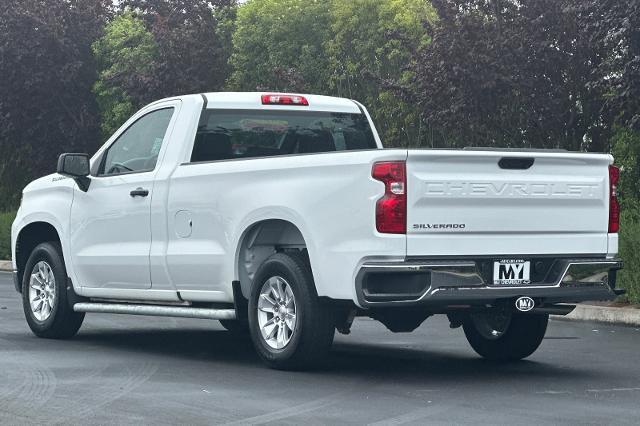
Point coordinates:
[[137, 148]]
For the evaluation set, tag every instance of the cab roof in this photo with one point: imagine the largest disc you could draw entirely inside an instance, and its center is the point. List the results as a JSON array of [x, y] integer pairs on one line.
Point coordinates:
[[253, 100]]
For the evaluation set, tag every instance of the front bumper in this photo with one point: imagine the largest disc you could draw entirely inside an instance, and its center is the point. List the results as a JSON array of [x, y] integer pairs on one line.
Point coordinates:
[[442, 283]]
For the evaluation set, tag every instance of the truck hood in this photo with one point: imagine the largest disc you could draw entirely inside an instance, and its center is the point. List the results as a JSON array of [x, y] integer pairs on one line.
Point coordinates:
[[49, 181]]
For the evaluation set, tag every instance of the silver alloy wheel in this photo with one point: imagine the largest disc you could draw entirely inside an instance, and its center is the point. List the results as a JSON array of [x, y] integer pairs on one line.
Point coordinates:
[[492, 324], [42, 291], [276, 312]]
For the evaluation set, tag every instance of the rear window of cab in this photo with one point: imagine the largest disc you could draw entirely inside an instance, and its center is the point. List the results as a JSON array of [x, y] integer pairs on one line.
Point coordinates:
[[232, 134]]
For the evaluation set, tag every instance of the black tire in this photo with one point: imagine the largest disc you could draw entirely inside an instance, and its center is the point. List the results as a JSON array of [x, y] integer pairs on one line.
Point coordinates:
[[521, 339], [63, 322], [236, 326], [310, 341]]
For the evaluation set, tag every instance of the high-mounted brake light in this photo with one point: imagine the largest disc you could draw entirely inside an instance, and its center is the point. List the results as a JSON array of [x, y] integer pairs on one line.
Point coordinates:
[[614, 205], [278, 99], [391, 209]]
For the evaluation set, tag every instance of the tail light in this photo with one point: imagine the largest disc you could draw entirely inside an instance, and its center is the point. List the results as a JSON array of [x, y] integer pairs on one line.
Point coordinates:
[[391, 209], [614, 205], [280, 99]]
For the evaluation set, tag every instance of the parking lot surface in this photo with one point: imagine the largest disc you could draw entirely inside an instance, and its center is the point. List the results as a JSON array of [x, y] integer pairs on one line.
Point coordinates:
[[143, 370]]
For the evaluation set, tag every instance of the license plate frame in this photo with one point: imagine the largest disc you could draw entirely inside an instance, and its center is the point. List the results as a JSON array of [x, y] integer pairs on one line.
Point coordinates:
[[511, 272]]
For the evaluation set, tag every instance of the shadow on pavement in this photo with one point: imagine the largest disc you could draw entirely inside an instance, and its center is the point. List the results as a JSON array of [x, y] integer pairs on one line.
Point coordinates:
[[351, 360], [415, 365]]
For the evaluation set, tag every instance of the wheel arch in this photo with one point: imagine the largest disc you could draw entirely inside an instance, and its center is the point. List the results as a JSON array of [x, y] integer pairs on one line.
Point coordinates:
[[29, 236], [260, 240]]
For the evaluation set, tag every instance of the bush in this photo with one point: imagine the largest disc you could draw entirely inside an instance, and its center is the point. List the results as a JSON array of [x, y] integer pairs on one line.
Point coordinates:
[[626, 151], [629, 277], [5, 234]]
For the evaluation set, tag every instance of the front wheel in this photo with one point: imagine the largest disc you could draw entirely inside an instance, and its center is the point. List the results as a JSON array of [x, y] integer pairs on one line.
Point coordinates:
[[290, 327], [505, 336], [44, 294]]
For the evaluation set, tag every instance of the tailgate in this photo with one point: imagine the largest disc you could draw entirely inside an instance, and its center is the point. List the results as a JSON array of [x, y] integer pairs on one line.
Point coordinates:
[[463, 203]]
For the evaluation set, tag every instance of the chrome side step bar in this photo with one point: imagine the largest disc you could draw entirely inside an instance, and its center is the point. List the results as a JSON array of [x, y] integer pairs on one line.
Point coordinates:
[[156, 310]]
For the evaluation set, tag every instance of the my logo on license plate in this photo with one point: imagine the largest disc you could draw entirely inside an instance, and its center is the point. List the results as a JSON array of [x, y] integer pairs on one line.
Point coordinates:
[[511, 272]]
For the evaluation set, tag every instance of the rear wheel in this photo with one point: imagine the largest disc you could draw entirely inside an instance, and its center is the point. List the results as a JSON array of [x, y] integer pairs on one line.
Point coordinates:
[[290, 327], [44, 294], [505, 336]]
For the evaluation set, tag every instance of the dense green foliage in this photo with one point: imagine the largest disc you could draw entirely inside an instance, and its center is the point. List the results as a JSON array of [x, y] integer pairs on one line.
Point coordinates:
[[612, 27], [524, 83], [334, 47], [155, 49], [5, 234], [371, 43], [629, 277], [126, 49], [279, 45], [438, 73], [46, 74], [626, 150]]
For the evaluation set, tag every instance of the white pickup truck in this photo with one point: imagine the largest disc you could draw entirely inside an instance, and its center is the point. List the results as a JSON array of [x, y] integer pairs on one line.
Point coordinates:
[[282, 215]]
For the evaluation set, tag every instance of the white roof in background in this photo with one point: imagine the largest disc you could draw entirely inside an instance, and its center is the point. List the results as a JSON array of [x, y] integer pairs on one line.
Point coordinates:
[[253, 100]]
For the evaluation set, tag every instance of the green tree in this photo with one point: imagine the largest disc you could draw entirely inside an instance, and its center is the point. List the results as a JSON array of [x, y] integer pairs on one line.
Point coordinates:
[[613, 28], [161, 48], [332, 47], [279, 45], [126, 49], [372, 44], [511, 73], [192, 56], [626, 151], [47, 73]]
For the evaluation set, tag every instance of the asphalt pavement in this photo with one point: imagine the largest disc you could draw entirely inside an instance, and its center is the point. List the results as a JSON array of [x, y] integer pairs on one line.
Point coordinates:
[[144, 370]]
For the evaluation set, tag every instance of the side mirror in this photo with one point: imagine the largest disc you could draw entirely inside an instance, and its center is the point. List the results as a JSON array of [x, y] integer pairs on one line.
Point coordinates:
[[75, 166]]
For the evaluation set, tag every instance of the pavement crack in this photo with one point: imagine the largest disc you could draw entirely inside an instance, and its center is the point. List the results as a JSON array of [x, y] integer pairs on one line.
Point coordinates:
[[409, 417]]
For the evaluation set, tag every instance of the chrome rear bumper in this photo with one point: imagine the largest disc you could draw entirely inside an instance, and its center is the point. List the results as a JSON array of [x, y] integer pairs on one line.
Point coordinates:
[[468, 282]]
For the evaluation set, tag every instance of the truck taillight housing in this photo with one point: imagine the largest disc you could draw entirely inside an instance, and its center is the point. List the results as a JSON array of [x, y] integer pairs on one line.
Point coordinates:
[[284, 99], [391, 209], [614, 205]]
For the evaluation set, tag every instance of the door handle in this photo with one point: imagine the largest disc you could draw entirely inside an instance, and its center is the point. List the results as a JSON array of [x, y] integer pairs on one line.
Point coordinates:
[[516, 163], [139, 192]]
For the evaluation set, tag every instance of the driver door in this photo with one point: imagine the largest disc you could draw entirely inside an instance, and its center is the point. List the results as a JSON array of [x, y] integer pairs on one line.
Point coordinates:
[[111, 222]]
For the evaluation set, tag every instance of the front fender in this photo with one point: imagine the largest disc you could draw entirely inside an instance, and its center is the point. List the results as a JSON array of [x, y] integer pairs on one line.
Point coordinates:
[[47, 200]]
